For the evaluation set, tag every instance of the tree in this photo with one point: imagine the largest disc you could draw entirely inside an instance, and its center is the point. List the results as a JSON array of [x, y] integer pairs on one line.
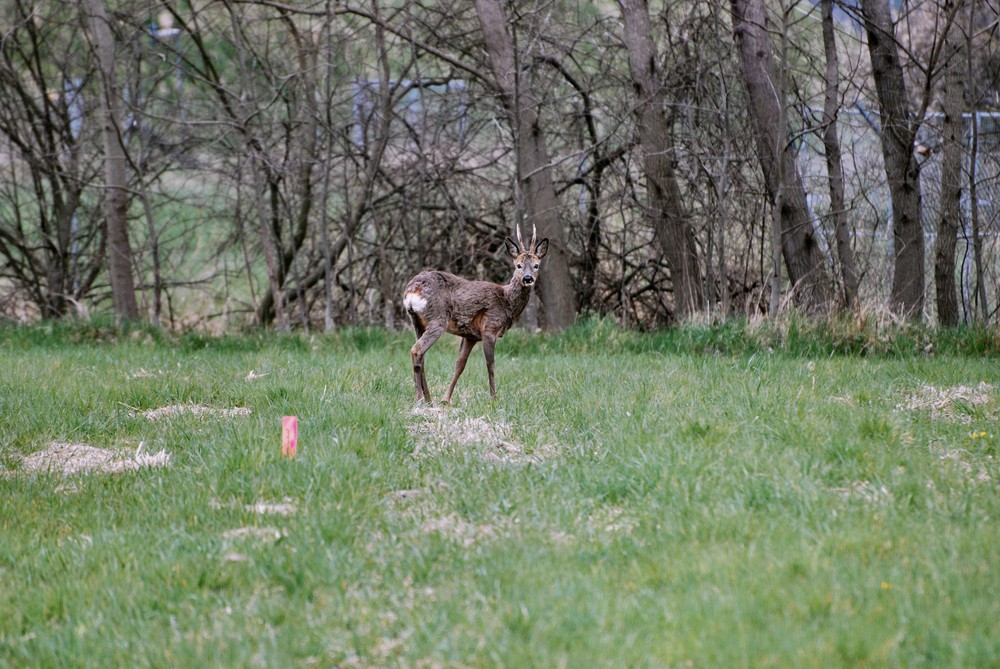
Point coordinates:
[[327, 151], [671, 228], [51, 252], [952, 138], [275, 150], [534, 168], [834, 163], [115, 162], [799, 245], [898, 132], [979, 296]]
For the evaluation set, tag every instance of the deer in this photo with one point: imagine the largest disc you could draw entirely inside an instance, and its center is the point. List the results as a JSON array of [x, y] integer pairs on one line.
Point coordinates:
[[476, 311]]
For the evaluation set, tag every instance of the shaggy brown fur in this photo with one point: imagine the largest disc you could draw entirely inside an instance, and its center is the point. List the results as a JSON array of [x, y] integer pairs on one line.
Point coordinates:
[[476, 311]]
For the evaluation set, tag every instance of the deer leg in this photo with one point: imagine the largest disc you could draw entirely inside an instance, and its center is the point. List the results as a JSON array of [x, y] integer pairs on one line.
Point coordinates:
[[465, 349], [418, 328], [488, 344], [424, 342]]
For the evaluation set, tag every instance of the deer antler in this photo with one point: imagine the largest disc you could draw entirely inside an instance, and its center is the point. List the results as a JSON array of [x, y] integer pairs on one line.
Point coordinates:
[[530, 248]]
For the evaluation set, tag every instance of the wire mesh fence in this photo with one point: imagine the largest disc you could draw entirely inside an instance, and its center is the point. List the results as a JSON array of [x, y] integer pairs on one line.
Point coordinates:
[[869, 207]]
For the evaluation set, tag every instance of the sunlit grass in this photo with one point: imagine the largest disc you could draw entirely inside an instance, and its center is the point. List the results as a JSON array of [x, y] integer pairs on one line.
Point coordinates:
[[715, 497]]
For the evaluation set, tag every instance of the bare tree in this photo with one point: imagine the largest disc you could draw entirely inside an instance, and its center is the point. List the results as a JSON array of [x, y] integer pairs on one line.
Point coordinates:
[[952, 93], [979, 291], [533, 163], [115, 164], [834, 163], [51, 252], [270, 117], [671, 228], [799, 246], [898, 132]]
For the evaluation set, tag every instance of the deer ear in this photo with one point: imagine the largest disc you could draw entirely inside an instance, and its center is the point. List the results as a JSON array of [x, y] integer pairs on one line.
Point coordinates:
[[541, 248], [512, 249]]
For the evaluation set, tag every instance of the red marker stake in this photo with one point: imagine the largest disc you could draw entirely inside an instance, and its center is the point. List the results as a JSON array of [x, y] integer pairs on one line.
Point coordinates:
[[289, 436]]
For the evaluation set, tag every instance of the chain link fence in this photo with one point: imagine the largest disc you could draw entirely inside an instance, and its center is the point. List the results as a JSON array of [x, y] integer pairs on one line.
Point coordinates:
[[870, 207]]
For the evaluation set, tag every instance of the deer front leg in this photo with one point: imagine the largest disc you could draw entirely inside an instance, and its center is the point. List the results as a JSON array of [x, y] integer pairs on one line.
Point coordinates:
[[465, 349], [488, 344], [426, 340]]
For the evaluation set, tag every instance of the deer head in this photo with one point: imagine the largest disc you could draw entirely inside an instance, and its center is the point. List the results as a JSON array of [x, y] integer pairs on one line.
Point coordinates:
[[526, 258]]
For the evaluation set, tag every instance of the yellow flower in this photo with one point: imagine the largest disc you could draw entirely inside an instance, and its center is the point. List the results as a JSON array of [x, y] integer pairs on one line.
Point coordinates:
[[886, 586]]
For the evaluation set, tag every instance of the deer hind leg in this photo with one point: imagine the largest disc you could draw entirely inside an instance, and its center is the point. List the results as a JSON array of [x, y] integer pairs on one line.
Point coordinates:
[[425, 339], [488, 344], [465, 349]]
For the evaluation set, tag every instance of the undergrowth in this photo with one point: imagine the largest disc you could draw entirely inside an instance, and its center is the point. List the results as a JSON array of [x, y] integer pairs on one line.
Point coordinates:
[[854, 335]]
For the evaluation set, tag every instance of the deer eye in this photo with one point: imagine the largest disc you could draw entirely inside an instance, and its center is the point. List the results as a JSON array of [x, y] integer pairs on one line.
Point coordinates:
[[535, 265], [519, 265]]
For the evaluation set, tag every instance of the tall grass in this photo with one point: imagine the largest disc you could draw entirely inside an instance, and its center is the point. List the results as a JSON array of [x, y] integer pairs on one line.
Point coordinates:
[[738, 495]]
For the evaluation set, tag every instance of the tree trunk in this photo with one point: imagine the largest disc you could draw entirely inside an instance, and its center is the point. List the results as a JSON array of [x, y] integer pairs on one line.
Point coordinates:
[[834, 164], [264, 182], [950, 218], [978, 297], [801, 251], [534, 167], [59, 259], [977, 240], [671, 227], [901, 168], [116, 193]]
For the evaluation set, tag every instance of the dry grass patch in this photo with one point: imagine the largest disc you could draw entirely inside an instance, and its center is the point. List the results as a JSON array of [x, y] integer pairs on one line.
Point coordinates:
[[283, 508], [424, 508], [143, 373], [959, 462], [609, 520], [948, 403], [67, 458], [256, 534], [429, 515], [174, 410], [455, 528], [596, 523], [430, 518], [866, 492], [443, 432]]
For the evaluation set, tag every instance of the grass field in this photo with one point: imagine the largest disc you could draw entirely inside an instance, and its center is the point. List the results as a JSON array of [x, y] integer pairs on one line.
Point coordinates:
[[703, 498]]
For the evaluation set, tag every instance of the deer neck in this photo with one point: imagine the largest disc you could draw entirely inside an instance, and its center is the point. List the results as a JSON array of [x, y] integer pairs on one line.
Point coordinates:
[[517, 295]]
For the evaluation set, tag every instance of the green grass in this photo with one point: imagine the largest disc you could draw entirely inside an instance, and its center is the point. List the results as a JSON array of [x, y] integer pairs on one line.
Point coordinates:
[[710, 497]]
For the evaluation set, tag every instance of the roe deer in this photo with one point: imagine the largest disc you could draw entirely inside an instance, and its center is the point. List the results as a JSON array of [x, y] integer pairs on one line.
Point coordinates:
[[440, 302]]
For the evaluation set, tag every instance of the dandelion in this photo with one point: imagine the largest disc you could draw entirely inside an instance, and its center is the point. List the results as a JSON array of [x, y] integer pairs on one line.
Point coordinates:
[[981, 434], [886, 586]]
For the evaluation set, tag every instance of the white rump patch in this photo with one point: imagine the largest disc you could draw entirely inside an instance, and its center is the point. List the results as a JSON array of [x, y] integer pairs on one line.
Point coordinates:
[[414, 302]]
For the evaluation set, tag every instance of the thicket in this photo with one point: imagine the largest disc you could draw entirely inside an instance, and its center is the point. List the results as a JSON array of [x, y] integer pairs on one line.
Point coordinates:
[[292, 164]]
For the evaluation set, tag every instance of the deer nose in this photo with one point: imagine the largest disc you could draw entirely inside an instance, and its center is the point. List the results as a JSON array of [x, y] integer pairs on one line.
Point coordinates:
[[528, 280]]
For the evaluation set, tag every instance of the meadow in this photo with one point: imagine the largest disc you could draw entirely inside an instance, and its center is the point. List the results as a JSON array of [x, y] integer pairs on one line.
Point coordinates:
[[708, 497]]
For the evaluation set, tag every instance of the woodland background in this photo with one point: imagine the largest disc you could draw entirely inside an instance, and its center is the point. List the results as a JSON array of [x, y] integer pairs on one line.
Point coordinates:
[[220, 164]]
